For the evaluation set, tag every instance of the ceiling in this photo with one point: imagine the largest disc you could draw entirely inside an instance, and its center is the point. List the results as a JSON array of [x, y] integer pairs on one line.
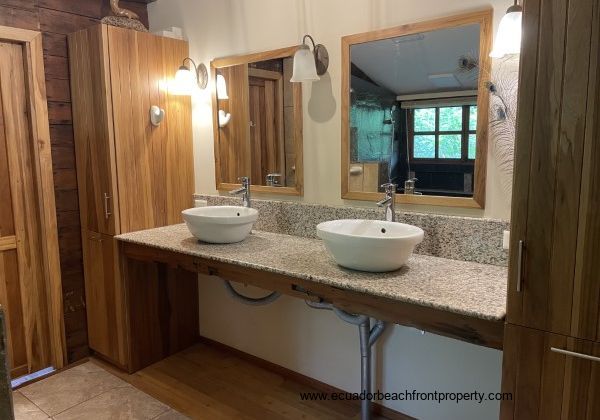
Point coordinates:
[[421, 63]]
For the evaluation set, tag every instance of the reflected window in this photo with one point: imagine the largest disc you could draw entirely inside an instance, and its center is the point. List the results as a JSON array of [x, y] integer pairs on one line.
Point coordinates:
[[440, 133]]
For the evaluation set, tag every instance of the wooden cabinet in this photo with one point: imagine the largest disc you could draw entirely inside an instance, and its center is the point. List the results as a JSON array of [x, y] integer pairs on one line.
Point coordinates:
[[554, 271], [550, 376], [555, 286], [103, 293], [131, 175]]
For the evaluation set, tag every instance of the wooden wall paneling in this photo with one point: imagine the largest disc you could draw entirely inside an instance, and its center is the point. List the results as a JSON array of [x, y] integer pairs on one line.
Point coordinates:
[[586, 295], [257, 127], [179, 157], [92, 123]]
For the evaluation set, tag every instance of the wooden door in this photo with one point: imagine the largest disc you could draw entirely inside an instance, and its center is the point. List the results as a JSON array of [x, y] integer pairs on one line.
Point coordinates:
[[267, 154], [22, 276], [233, 157], [550, 376], [155, 174], [92, 125], [556, 193], [104, 297]]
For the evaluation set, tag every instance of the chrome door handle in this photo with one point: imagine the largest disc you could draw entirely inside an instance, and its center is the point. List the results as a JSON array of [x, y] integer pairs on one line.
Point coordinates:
[[520, 264], [575, 354], [107, 212]]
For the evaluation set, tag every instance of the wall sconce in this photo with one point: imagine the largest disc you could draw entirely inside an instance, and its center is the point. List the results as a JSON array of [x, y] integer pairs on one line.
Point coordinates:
[[157, 115], [187, 80], [508, 37], [221, 87], [309, 65]]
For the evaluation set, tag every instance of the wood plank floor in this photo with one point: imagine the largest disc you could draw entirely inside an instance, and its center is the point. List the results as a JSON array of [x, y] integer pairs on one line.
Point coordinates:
[[205, 382]]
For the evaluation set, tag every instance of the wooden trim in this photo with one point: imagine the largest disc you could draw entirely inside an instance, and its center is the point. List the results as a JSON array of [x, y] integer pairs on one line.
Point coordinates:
[[298, 188], [44, 183], [484, 19], [8, 33], [7, 243], [261, 189], [376, 408], [253, 58]]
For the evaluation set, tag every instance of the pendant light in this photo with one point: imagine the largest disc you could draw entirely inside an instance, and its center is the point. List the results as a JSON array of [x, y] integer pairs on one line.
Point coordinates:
[[309, 65], [508, 37]]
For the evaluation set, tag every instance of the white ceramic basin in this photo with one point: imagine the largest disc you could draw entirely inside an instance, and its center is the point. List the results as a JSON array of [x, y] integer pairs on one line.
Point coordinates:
[[220, 224], [369, 245]]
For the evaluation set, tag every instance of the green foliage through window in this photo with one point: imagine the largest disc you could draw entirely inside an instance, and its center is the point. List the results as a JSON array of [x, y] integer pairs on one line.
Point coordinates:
[[446, 132]]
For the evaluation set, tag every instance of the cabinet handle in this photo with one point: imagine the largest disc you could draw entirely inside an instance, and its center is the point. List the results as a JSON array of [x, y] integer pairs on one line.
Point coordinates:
[[520, 264], [107, 212], [575, 354]]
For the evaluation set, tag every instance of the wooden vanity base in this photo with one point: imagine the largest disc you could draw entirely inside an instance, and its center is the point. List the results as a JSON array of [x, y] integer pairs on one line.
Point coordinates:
[[162, 303]]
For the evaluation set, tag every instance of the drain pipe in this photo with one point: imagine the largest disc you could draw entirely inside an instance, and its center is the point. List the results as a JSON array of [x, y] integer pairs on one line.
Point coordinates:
[[368, 336], [270, 298]]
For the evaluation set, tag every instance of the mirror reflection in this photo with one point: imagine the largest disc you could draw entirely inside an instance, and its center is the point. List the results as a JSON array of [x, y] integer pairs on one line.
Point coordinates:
[[259, 122], [413, 117]]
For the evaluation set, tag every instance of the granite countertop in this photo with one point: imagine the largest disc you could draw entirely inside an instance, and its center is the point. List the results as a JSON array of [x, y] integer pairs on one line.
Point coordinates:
[[472, 289]]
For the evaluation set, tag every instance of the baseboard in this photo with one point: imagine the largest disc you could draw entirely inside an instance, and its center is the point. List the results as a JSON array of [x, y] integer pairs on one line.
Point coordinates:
[[378, 409]]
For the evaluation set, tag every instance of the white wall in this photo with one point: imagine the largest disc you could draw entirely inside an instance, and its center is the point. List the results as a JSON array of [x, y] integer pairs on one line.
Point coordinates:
[[229, 27], [313, 342]]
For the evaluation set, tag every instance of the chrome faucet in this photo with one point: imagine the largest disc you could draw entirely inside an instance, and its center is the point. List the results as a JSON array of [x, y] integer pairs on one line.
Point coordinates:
[[388, 201], [244, 190]]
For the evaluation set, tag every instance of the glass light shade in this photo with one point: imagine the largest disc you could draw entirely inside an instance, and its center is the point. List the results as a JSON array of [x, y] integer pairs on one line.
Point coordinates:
[[221, 87], [508, 38], [185, 82], [305, 69]]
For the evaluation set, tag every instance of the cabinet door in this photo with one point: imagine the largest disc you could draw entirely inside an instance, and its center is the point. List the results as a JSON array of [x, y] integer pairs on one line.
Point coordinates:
[[104, 297], [556, 190], [93, 130], [550, 376], [154, 164]]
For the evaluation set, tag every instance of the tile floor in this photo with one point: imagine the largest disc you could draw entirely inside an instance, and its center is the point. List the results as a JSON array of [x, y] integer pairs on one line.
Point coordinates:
[[87, 391]]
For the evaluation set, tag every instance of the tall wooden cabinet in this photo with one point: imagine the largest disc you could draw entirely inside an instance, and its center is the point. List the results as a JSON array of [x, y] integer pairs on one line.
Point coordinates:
[[131, 174], [554, 273]]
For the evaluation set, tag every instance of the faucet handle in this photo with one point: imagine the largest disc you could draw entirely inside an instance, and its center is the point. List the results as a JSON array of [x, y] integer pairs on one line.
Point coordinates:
[[245, 181], [390, 188]]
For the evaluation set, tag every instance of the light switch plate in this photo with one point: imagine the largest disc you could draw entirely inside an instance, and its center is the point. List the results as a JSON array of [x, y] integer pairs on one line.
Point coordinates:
[[506, 239]]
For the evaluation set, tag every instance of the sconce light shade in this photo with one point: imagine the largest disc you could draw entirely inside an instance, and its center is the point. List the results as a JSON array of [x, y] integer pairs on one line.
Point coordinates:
[[508, 37], [309, 65], [188, 79], [221, 87]]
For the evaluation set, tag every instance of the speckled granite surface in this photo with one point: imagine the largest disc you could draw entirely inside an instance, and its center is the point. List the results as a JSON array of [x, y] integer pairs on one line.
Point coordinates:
[[467, 288], [459, 238]]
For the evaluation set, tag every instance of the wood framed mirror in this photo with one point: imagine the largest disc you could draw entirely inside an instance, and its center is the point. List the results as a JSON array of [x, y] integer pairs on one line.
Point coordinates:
[[415, 102], [257, 119]]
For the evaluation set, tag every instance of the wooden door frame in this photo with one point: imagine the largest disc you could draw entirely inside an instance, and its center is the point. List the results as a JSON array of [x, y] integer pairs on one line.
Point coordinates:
[[31, 42]]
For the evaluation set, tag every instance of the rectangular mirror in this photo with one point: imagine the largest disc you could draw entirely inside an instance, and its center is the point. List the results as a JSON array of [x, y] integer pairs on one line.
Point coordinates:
[[415, 111], [257, 117]]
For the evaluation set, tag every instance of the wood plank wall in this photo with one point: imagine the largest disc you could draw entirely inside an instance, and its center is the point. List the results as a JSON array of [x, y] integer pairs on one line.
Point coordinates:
[[55, 19]]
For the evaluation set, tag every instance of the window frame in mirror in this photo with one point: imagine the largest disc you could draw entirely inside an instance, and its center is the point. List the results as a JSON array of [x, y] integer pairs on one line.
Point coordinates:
[[219, 63], [484, 19]]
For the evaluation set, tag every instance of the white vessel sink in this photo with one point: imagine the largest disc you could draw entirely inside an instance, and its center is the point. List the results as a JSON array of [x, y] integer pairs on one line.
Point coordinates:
[[369, 245], [220, 224]]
